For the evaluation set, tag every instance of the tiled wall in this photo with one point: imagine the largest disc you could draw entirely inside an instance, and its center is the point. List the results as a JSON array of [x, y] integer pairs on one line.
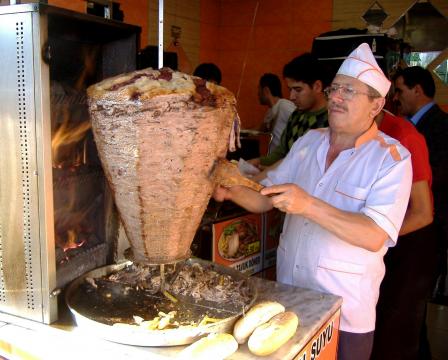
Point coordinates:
[[184, 14], [75, 5], [135, 12], [210, 15], [244, 39], [247, 38]]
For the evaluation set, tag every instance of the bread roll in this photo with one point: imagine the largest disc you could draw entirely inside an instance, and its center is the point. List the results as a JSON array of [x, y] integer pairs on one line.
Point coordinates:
[[214, 346], [270, 336], [257, 315]]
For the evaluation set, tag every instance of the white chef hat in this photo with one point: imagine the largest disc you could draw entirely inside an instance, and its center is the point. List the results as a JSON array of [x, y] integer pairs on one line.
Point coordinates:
[[361, 65]]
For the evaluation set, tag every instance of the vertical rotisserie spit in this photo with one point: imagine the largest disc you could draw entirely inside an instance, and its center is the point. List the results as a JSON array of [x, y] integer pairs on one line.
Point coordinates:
[[159, 134]]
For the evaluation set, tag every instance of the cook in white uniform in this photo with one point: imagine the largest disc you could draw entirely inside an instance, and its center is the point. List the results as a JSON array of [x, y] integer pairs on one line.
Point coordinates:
[[345, 190]]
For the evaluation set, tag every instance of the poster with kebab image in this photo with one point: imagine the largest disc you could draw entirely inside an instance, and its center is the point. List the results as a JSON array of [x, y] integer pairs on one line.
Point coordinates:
[[237, 243]]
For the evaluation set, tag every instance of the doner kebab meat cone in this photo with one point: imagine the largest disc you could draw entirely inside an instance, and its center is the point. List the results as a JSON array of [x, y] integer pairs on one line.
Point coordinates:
[[159, 135]]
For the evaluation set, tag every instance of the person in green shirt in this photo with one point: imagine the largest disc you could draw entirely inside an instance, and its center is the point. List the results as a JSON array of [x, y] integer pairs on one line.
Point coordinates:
[[306, 79]]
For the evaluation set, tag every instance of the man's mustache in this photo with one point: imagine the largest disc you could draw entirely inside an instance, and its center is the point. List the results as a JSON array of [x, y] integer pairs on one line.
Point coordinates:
[[332, 107]]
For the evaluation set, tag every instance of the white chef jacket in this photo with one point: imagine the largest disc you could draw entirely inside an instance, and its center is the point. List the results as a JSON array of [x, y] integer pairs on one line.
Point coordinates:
[[373, 178]]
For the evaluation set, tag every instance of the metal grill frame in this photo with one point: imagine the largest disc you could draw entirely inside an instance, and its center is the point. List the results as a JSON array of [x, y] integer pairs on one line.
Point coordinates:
[[28, 281]]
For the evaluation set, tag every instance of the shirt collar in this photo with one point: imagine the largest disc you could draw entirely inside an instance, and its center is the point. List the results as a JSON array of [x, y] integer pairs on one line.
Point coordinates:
[[370, 134], [276, 105], [419, 114]]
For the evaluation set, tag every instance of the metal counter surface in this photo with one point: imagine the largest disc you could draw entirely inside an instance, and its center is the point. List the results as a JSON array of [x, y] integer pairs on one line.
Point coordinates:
[[26, 339]]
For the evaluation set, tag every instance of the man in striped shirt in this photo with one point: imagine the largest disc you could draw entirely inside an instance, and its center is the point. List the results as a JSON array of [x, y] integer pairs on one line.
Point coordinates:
[[306, 80]]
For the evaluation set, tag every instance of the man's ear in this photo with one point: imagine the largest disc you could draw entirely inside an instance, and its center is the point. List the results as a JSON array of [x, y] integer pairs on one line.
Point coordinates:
[[266, 91], [378, 105], [418, 90], [318, 86]]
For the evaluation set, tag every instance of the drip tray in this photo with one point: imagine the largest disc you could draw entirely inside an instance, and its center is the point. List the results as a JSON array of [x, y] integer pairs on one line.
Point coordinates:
[[121, 313]]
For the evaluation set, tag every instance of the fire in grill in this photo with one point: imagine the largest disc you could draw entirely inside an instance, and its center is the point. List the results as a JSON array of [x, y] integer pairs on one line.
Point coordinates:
[[57, 218]]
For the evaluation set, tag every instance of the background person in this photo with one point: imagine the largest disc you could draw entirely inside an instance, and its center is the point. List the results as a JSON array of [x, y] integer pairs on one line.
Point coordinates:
[[406, 286], [414, 94], [306, 80], [276, 118], [209, 72]]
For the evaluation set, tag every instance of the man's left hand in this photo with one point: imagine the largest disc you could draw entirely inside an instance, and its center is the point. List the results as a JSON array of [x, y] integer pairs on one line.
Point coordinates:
[[288, 198]]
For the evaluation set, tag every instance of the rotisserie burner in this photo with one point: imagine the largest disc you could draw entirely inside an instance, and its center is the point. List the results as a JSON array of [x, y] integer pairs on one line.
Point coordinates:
[[129, 294]]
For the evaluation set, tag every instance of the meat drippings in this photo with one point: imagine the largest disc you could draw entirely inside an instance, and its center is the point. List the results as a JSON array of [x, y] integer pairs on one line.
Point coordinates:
[[203, 95], [205, 295], [165, 74], [128, 82], [193, 281]]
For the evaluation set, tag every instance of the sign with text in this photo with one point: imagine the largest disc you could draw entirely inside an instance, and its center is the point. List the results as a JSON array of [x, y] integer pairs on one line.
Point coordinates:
[[324, 344], [238, 242]]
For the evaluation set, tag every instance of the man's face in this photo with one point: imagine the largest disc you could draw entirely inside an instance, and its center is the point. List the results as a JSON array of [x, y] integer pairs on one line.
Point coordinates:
[[262, 96], [350, 110], [404, 97], [302, 95]]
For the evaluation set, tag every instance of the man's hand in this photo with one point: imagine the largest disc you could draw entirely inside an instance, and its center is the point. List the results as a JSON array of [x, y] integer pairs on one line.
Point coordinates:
[[245, 197], [354, 228], [255, 162], [288, 198], [221, 193]]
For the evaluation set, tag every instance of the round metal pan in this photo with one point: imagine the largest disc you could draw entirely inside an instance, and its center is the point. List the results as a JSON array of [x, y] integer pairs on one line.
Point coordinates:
[[132, 335]]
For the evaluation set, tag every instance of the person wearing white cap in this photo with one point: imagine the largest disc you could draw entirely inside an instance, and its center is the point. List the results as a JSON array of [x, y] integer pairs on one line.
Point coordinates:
[[345, 190]]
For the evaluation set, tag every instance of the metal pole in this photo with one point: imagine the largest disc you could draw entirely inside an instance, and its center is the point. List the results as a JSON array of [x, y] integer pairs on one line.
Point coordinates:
[[160, 34]]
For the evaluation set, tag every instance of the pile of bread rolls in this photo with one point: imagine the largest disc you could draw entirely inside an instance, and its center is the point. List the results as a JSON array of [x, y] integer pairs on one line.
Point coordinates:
[[266, 327]]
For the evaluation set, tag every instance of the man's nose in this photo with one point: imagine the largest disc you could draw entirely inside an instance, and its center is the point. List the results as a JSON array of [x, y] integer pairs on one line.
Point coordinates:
[[336, 96]]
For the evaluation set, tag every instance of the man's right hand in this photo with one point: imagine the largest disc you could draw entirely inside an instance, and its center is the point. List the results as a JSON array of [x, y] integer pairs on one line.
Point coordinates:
[[221, 193], [288, 198], [243, 196], [255, 162]]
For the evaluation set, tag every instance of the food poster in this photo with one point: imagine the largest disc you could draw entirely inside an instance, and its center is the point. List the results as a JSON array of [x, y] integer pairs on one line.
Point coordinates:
[[272, 224], [237, 243], [324, 344]]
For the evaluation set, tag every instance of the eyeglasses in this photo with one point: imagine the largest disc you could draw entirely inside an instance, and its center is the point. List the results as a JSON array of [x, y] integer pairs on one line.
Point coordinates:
[[345, 92]]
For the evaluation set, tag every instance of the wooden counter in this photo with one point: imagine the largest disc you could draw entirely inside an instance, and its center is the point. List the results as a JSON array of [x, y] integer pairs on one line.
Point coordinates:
[[318, 331]]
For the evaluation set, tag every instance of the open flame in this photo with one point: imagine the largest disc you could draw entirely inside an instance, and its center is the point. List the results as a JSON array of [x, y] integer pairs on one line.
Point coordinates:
[[72, 242], [70, 107], [72, 229], [69, 136], [69, 147]]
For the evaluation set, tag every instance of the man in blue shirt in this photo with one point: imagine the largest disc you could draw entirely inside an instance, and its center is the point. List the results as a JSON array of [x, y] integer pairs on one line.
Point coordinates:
[[414, 94]]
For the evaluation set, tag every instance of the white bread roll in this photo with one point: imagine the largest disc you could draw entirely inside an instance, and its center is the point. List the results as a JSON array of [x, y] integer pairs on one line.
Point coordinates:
[[214, 346], [257, 315], [270, 336]]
